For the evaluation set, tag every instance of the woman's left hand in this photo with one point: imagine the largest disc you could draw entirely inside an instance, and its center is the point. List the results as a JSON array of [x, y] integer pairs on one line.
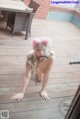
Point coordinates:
[[45, 95]]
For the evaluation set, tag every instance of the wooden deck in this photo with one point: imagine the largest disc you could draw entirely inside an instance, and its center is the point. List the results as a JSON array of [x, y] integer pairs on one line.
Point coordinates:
[[64, 78]]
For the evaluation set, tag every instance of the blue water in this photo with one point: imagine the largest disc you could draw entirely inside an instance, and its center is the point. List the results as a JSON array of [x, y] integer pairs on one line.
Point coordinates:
[[64, 17]]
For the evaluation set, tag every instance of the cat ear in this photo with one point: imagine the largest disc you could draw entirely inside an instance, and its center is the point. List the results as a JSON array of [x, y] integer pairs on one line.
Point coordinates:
[[35, 42], [45, 42]]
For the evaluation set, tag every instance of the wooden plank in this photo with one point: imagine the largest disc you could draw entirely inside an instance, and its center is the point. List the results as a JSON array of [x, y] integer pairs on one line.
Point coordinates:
[[35, 105], [31, 96], [18, 45], [14, 44], [54, 73], [37, 114], [16, 80], [29, 106], [20, 68], [17, 65], [5, 84], [50, 88], [20, 62], [34, 88]]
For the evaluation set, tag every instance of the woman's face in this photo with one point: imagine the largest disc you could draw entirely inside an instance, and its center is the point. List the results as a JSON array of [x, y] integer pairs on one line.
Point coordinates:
[[39, 52]]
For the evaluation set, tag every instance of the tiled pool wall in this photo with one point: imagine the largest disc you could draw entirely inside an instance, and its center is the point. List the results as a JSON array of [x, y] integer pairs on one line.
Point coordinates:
[[64, 14]]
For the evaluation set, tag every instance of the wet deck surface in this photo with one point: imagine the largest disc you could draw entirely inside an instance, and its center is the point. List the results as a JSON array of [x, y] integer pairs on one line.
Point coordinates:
[[64, 79]]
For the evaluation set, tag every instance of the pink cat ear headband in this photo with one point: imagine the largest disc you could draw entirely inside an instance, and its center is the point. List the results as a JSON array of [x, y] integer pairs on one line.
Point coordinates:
[[41, 42], [44, 42]]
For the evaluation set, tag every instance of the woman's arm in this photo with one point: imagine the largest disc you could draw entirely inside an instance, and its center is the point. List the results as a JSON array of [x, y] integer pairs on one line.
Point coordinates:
[[26, 79], [46, 77]]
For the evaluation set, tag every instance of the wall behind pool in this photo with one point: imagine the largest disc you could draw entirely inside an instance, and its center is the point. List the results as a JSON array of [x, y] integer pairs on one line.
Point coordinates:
[[76, 21], [64, 14], [60, 16]]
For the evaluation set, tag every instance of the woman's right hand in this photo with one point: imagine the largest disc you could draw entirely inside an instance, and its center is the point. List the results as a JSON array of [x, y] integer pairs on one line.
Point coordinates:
[[17, 96]]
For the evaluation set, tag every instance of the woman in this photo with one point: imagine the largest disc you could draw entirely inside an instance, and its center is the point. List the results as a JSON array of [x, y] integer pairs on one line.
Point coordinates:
[[41, 60]]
